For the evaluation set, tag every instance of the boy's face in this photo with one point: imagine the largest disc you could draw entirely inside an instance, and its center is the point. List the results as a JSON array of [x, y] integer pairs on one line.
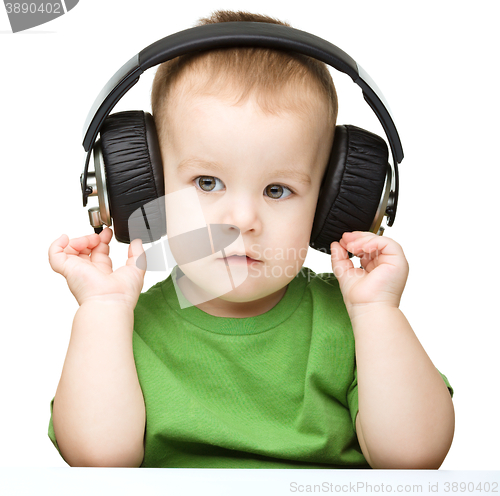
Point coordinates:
[[258, 171]]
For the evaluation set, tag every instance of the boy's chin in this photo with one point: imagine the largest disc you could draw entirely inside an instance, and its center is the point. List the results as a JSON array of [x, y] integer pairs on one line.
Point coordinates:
[[239, 284]]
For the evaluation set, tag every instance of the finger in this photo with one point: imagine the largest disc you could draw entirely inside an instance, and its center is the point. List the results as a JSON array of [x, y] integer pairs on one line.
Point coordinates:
[[366, 243], [367, 262], [57, 257], [135, 250], [376, 250], [106, 234], [341, 263], [100, 254], [82, 245], [351, 237]]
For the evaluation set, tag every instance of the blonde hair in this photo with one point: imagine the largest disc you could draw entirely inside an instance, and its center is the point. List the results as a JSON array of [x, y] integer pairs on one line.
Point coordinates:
[[280, 80]]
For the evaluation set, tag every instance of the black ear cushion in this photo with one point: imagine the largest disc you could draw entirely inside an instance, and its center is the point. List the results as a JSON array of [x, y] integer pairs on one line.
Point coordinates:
[[352, 186], [134, 171]]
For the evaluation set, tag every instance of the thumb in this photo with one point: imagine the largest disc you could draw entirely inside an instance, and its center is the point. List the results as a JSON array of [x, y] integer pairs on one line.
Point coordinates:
[[341, 263], [136, 255]]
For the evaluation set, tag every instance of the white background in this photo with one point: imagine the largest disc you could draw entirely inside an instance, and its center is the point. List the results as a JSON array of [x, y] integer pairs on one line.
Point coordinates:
[[437, 65]]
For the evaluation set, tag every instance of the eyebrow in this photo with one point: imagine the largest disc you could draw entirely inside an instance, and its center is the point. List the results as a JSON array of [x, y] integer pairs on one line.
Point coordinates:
[[194, 163]]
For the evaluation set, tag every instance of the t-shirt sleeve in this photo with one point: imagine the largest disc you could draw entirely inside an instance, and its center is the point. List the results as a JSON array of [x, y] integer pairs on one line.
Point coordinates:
[[445, 379], [52, 434], [352, 399], [352, 396]]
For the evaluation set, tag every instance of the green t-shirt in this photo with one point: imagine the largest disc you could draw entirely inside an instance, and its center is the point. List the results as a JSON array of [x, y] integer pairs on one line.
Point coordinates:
[[278, 390]]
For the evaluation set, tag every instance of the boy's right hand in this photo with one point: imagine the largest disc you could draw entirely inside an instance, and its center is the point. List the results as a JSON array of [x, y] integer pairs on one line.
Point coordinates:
[[86, 265]]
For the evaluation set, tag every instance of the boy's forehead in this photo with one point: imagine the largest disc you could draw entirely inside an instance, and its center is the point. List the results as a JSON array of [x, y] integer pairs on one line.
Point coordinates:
[[300, 99], [200, 126], [192, 99]]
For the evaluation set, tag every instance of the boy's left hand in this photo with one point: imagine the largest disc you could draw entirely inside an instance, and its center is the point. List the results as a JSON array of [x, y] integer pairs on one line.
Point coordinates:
[[383, 275]]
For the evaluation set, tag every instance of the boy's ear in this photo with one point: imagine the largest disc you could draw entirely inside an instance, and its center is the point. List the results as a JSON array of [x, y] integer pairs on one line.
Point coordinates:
[[352, 186]]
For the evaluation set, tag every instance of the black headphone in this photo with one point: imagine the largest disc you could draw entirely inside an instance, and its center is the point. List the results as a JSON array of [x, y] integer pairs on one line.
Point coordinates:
[[360, 186]]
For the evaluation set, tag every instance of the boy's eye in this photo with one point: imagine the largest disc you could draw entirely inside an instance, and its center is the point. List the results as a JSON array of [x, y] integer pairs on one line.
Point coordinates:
[[276, 191], [207, 183]]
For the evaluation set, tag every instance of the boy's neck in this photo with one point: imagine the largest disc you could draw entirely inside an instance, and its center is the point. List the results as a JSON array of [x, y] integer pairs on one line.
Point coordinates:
[[229, 309]]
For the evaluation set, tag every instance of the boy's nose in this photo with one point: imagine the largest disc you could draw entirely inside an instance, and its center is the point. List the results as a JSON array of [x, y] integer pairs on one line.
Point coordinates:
[[244, 214]]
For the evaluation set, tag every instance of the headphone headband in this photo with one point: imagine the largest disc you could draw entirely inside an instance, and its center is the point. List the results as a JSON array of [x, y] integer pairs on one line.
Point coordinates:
[[230, 35]]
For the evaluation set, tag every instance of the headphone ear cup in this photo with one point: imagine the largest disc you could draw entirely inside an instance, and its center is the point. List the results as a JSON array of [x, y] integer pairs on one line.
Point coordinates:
[[352, 186], [134, 173]]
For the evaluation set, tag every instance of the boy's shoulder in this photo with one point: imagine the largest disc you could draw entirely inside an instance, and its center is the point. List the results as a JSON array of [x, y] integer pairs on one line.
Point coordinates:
[[155, 295], [157, 287]]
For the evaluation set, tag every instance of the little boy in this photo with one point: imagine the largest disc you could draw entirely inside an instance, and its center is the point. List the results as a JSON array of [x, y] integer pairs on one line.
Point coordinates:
[[290, 369]]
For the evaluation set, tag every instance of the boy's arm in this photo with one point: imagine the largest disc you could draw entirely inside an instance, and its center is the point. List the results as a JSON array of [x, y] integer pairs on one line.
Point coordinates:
[[98, 412], [406, 415]]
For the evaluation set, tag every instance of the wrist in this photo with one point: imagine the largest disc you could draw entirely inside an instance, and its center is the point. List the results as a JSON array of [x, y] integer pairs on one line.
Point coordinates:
[[364, 311], [110, 301], [103, 317]]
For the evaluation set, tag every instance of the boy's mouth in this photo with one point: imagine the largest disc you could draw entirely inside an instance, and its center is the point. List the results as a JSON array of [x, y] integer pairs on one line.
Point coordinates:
[[234, 257]]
